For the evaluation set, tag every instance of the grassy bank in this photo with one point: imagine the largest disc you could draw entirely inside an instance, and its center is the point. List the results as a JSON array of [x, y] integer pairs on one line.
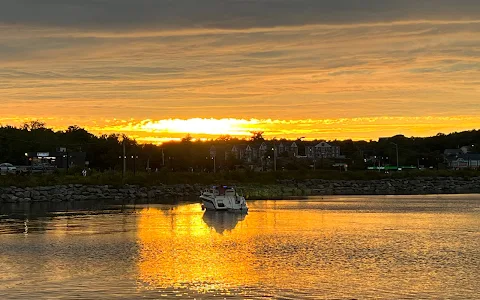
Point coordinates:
[[238, 178]]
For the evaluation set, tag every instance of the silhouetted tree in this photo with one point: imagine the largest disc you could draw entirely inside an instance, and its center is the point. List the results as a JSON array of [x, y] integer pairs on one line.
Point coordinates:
[[257, 136]]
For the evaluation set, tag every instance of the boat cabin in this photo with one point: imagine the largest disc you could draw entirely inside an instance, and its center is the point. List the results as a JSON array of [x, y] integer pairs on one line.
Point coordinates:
[[222, 190]]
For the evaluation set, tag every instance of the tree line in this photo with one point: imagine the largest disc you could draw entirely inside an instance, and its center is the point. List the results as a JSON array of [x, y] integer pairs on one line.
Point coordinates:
[[105, 152]]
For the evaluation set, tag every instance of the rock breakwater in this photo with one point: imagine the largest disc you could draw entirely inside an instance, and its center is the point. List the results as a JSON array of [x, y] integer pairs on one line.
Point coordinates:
[[78, 192], [411, 186], [283, 189]]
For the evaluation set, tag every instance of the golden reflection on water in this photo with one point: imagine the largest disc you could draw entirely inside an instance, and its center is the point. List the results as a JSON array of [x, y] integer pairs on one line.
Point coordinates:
[[290, 248], [184, 246], [332, 248]]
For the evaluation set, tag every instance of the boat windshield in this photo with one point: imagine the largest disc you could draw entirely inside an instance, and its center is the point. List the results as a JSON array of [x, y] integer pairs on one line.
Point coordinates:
[[222, 190]]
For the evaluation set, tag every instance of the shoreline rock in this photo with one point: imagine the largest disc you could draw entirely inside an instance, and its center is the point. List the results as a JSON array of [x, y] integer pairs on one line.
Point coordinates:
[[410, 186], [78, 192], [282, 190]]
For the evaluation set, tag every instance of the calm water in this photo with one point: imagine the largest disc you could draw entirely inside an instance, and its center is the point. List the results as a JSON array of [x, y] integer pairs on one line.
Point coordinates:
[[424, 247]]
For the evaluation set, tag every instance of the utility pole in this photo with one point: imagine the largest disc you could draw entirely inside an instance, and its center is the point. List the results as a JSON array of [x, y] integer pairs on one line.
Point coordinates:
[[213, 155], [124, 158], [163, 158], [274, 157], [396, 148], [134, 157], [68, 161]]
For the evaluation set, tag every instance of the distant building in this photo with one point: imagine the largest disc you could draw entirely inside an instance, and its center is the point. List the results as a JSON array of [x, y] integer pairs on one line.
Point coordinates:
[[294, 149], [322, 150], [462, 158], [60, 159], [263, 155], [238, 151], [464, 161]]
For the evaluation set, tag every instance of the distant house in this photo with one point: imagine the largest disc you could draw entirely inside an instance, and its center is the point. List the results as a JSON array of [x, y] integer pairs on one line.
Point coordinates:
[[238, 151], [265, 154], [326, 150], [310, 151], [262, 149], [322, 150], [281, 148], [249, 154], [455, 152], [461, 158], [294, 149], [465, 161]]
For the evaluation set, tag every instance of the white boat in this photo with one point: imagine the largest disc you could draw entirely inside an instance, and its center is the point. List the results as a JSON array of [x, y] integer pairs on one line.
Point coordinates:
[[223, 198]]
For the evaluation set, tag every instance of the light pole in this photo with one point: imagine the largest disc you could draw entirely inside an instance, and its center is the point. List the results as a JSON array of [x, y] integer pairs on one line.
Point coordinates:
[[396, 148], [313, 154], [471, 150], [134, 157], [124, 171], [274, 157], [124, 159], [163, 158], [213, 155]]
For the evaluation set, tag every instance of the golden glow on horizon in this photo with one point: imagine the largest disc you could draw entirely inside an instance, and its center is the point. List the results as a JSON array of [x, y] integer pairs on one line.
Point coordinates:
[[159, 131], [198, 126]]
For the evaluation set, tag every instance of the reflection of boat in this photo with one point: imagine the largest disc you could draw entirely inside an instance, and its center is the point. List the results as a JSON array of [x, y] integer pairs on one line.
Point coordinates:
[[221, 221], [223, 198]]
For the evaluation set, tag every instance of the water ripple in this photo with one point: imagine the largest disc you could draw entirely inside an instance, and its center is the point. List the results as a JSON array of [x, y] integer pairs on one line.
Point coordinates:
[[335, 248]]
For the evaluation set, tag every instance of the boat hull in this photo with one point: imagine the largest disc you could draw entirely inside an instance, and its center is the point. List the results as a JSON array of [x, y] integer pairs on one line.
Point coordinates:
[[222, 205], [225, 199], [211, 204]]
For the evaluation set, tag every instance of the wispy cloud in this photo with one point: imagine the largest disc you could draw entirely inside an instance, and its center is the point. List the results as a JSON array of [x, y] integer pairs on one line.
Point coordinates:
[[227, 14], [240, 60]]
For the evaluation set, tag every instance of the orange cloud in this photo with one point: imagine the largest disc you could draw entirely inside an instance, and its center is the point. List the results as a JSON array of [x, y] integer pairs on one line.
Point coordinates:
[[213, 81]]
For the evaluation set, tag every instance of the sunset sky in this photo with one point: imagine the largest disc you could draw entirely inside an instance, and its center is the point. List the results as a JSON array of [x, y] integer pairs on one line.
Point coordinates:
[[158, 70]]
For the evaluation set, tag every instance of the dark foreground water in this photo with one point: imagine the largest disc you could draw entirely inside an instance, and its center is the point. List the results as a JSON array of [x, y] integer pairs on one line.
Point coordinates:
[[424, 247]]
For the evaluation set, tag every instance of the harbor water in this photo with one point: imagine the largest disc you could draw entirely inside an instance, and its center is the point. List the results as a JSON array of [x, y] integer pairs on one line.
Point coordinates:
[[369, 247]]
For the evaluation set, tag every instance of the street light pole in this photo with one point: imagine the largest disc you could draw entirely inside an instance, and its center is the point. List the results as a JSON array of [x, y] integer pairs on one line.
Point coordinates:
[[396, 148], [213, 155], [274, 157], [124, 171], [214, 165], [163, 158], [134, 157]]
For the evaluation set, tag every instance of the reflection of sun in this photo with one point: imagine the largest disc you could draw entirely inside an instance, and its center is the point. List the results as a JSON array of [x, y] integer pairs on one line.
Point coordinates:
[[177, 249]]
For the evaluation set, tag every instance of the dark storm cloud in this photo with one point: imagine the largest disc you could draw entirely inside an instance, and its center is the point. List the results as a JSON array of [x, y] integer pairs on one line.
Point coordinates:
[[166, 14]]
